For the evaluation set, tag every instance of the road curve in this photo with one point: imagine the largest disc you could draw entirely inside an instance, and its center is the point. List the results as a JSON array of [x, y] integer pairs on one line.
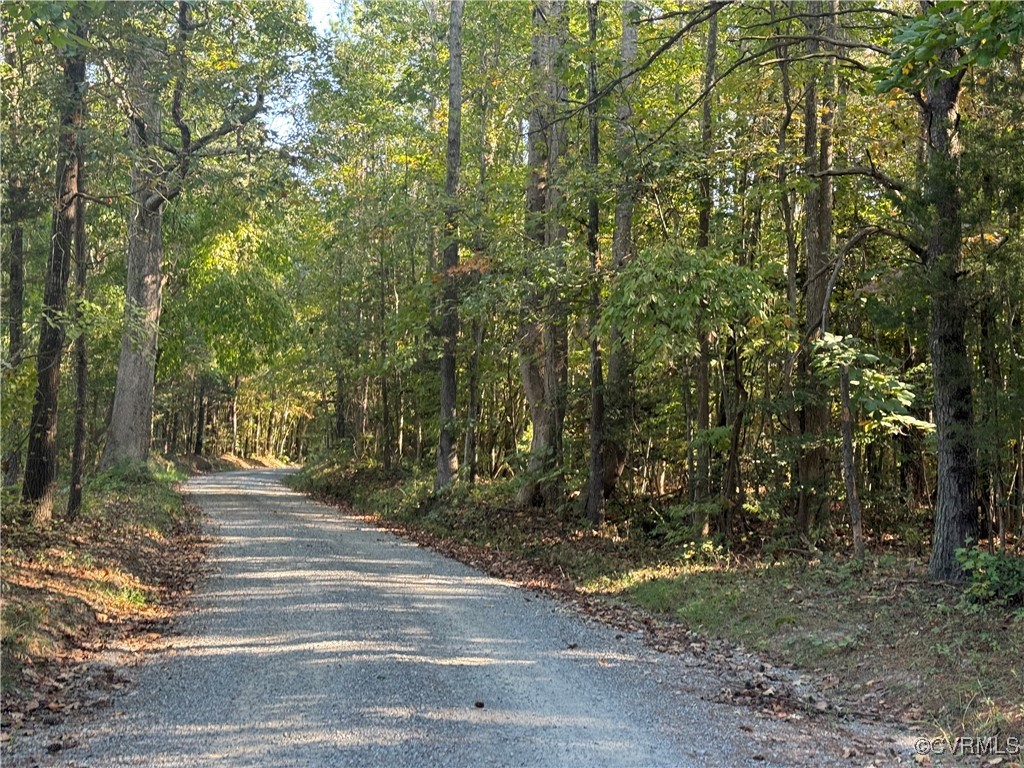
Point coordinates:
[[322, 641]]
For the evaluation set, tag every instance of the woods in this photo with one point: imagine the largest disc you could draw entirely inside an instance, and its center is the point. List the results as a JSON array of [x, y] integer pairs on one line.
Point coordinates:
[[715, 271]]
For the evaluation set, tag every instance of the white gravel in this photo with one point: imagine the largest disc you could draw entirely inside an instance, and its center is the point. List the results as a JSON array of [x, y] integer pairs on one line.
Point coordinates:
[[322, 641]]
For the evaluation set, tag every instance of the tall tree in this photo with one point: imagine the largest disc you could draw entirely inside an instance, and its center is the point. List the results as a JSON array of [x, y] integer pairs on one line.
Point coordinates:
[[956, 513], [618, 389], [543, 344], [159, 170], [819, 113], [593, 505], [41, 461], [81, 351], [447, 447]]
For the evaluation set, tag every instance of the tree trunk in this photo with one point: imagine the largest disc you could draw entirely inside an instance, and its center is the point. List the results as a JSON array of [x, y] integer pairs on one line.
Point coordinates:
[[818, 152], [447, 454], [543, 343], [41, 462], [956, 514], [234, 416], [618, 388], [849, 467], [473, 409], [131, 420], [703, 486], [81, 358], [197, 449], [593, 506], [14, 215]]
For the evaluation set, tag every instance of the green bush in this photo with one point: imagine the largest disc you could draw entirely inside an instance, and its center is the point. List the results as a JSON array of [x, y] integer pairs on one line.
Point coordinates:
[[993, 579]]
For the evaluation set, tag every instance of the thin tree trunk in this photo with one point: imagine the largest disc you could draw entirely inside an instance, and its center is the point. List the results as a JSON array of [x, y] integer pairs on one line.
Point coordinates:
[[618, 389], [473, 410], [201, 422], [14, 215], [849, 466], [447, 453], [704, 211], [41, 462], [594, 498], [234, 416], [81, 358]]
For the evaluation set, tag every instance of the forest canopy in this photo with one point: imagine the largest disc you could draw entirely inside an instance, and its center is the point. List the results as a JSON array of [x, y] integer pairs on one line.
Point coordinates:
[[742, 271]]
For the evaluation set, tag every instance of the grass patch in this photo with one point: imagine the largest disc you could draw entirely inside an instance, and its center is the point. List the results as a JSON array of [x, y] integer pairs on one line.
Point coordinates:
[[893, 642]]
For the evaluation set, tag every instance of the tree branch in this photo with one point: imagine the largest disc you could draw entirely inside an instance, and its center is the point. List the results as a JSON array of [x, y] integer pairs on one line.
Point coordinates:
[[230, 125], [863, 170]]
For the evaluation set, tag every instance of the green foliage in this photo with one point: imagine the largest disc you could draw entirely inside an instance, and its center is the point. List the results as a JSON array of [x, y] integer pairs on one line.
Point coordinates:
[[980, 32], [994, 578], [884, 399]]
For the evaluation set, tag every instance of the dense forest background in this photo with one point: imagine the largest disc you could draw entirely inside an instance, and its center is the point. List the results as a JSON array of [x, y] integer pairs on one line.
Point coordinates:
[[742, 271]]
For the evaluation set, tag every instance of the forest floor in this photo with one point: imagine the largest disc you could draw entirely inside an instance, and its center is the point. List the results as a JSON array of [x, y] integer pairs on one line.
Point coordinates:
[[874, 641]]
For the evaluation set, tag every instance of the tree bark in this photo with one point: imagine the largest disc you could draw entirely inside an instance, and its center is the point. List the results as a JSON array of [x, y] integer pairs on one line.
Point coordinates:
[[618, 387], [849, 467], [593, 506], [197, 449], [41, 461], [131, 421], [956, 513], [153, 184], [543, 342], [81, 357], [447, 453], [818, 153], [703, 485]]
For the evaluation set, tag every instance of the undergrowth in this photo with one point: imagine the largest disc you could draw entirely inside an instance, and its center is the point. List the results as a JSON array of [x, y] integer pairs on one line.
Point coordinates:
[[119, 565]]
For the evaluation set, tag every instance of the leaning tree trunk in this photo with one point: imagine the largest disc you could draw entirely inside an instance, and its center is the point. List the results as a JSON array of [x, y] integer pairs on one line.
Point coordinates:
[[447, 451], [956, 514], [41, 461], [131, 421]]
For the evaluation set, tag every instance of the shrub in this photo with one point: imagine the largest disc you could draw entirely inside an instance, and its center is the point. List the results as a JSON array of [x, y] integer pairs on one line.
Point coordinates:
[[993, 579]]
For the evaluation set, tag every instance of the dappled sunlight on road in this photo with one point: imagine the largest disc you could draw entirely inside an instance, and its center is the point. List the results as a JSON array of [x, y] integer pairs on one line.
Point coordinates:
[[322, 641]]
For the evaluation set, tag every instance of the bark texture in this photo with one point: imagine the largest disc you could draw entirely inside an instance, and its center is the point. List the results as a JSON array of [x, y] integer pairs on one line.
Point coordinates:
[[447, 447], [41, 462], [956, 514], [543, 342], [813, 416], [618, 387], [594, 497]]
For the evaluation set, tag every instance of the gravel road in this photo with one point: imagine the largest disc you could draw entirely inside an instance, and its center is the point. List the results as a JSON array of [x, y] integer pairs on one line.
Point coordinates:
[[322, 641]]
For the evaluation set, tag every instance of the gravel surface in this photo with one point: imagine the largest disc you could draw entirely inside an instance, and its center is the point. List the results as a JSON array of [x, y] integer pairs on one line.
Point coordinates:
[[322, 641]]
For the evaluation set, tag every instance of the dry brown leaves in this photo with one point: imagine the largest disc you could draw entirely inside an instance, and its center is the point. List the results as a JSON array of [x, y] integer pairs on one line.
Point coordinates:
[[101, 585]]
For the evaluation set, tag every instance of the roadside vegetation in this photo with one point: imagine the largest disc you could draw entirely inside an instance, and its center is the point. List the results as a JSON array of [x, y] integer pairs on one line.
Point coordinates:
[[880, 637], [110, 579]]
